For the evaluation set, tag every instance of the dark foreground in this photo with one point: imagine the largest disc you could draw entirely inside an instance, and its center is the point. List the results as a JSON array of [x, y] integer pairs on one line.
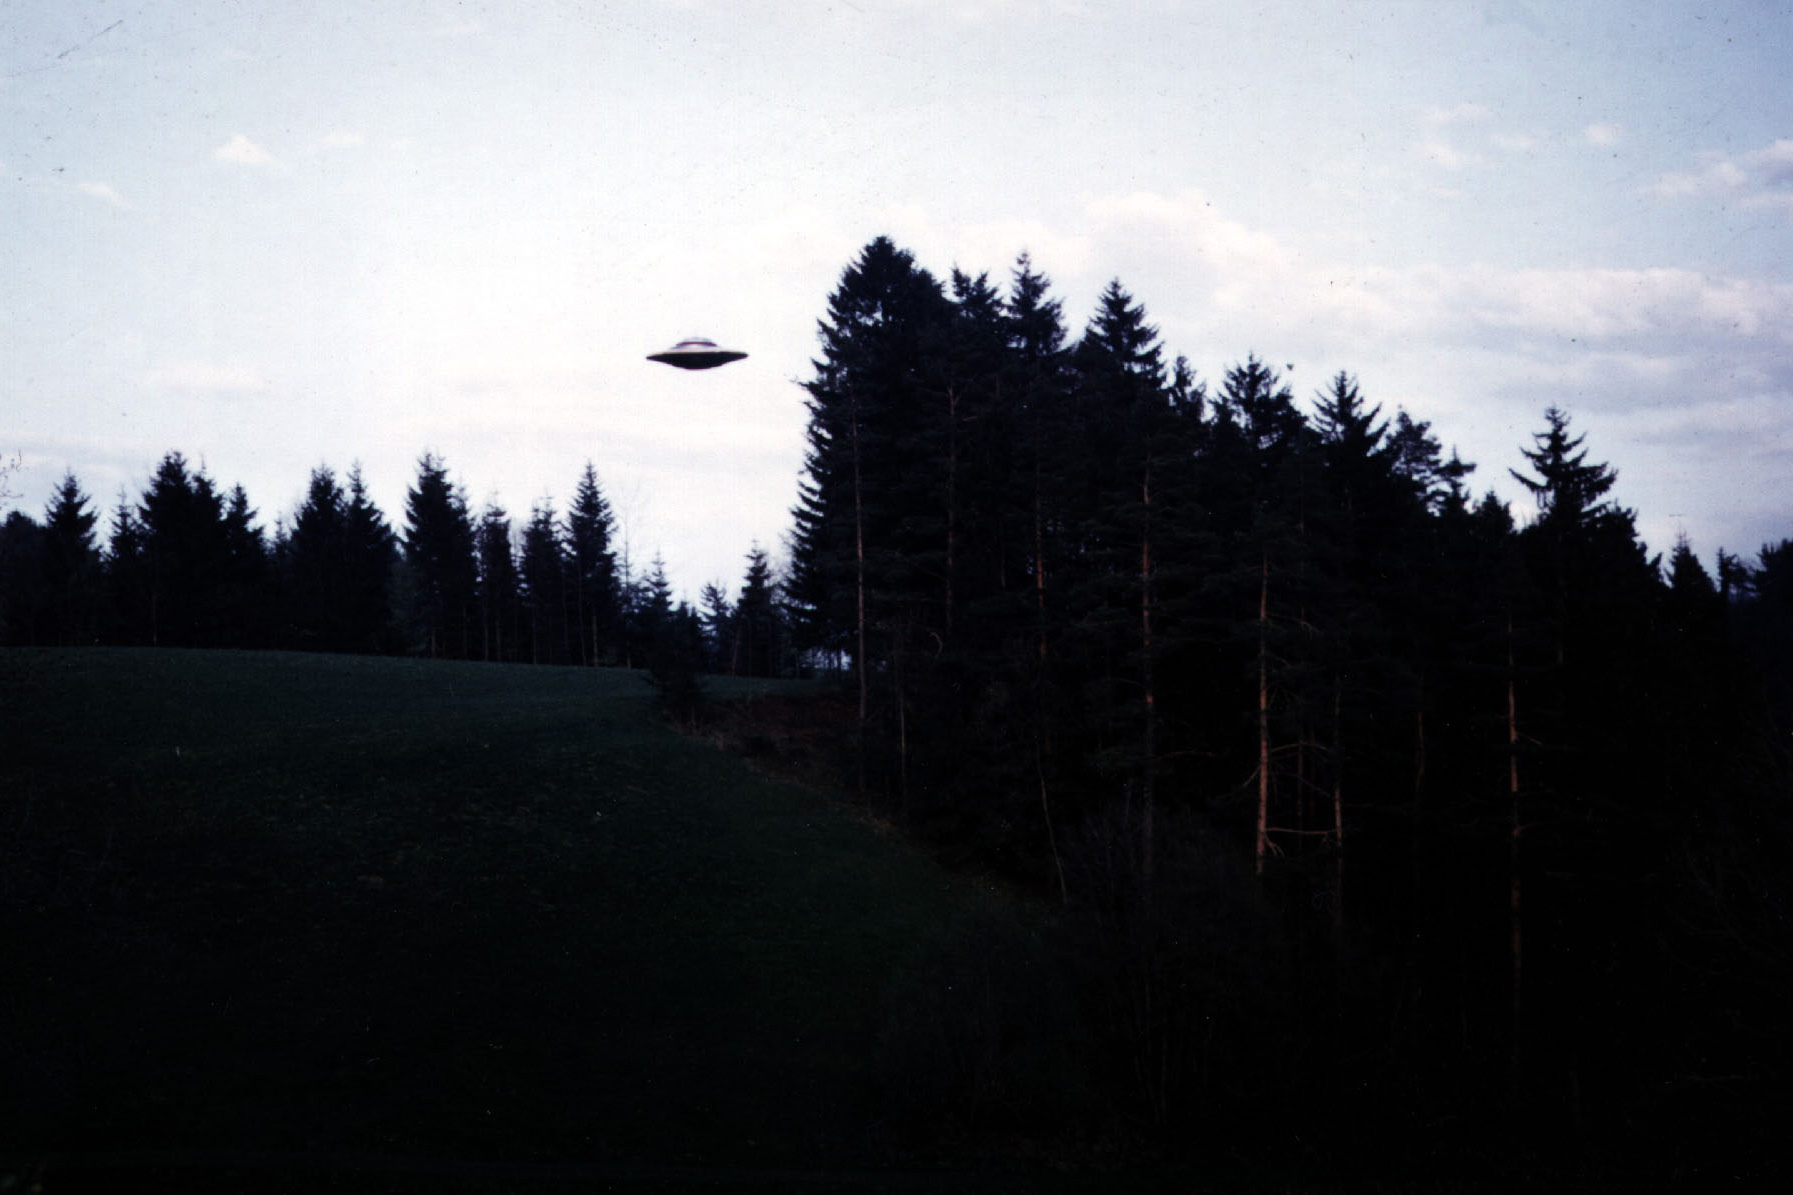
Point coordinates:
[[284, 921], [289, 923]]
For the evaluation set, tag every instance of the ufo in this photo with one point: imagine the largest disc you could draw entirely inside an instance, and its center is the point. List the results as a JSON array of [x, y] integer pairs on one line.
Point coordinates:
[[696, 353]]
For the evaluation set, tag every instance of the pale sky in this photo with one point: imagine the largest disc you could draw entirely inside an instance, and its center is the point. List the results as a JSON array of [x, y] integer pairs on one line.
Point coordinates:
[[278, 236]]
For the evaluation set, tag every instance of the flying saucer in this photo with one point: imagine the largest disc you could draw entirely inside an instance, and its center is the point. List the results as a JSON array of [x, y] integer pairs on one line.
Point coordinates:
[[696, 353]]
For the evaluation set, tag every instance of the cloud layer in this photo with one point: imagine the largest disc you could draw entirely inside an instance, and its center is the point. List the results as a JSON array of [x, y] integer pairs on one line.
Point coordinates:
[[1762, 178], [243, 152]]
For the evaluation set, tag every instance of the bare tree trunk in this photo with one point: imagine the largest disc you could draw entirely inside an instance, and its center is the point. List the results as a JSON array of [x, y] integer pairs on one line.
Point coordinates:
[[1039, 767], [1263, 840], [859, 661], [1338, 805], [952, 498], [1039, 547], [1415, 833], [1515, 905], [1147, 847], [902, 707], [859, 566]]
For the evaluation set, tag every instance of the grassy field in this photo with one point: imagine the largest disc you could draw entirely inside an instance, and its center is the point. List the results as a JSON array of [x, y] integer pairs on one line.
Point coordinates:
[[380, 921]]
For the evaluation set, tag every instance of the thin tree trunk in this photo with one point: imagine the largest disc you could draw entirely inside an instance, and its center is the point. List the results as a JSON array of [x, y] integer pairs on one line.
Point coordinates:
[[1039, 767], [1039, 547], [1338, 805], [902, 703], [859, 569], [1263, 840], [1415, 832], [952, 497], [1515, 905], [1147, 846]]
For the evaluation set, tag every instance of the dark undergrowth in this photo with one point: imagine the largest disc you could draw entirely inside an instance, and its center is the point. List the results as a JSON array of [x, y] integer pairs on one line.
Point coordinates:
[[428, 922], [289, 923]]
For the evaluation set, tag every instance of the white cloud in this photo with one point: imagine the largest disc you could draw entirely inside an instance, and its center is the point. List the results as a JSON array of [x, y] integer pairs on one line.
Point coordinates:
[[1603, 134], [458, 27], [1774, 163], [1516, 142], [206, 377], [1783, 200], [1639, 318], [103, 192], [1762, 178], [1718, 176], [1466, 113], [1442, 153], [341, 140], [243, 151]]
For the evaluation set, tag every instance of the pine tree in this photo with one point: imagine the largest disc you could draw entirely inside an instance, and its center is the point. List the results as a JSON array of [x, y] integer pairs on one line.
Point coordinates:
[[370, 553], [1695, 608], [1131, 489], [1038, 362], [545, 573], [871, 508], [597, 589], [71, 566], [1039, 380], [247, 590], [1570, 492], [976, 487], [1256, 398], [127, 616], [316, 567], [718, 616], [1590, 698], [441, 573], [758, 634], [497, 587], [1418, 461], [187, 550]]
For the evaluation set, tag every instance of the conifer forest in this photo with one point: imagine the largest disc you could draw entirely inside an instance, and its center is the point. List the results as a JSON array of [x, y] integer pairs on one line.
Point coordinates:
[[1365, 804]]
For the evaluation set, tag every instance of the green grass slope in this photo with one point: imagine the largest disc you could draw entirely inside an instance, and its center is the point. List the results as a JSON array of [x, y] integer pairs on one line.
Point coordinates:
[[281, 906]]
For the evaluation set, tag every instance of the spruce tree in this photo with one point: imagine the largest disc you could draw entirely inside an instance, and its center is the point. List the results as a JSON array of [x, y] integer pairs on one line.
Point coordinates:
[[188, 554], [545, 573], [498, 596], [316, 567], [441, 573], [717, 614], [370, 553], [248, 585], [127, 612], [1037, 376], [758, 633], [1596, 800], [872, 510], [71, 566], [1131, 487], [597, 589]]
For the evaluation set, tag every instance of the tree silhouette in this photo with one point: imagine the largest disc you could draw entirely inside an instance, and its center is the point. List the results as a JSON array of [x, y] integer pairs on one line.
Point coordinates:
[[188, 552], [317, 567], [71, 566], [441, 575], [545, 574], [597, 589], [499, 600]]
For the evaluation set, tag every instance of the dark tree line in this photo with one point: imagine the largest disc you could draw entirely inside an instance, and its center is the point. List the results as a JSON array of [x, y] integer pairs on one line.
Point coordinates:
[[1369, 793], [187, 564]]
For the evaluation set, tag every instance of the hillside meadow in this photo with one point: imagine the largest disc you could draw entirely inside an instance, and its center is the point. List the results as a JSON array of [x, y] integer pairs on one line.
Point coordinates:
[[292, 915]]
